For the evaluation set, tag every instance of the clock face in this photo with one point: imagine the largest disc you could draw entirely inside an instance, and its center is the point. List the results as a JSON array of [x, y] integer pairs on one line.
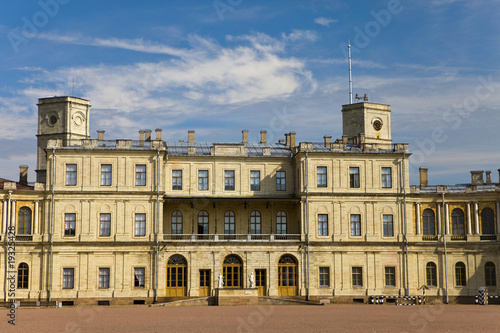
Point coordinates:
[[78, 121], [377, 125], [52, 120]]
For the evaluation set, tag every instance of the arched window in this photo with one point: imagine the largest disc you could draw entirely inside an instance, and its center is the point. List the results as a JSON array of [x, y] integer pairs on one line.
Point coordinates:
[[229, 223], [487, 222], [431, 274], [281, 228], [176, 222], [176, 276], [24, 221], [287, 276], [429, 222], [457, 222], [460, 276], [203, 222], [22, 276], [232, 271], [255, 225], [490, 277]]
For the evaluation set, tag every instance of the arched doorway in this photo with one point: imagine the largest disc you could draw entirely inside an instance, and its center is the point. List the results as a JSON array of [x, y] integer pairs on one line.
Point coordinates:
[[287, 276], [232, 272], [176, 276]]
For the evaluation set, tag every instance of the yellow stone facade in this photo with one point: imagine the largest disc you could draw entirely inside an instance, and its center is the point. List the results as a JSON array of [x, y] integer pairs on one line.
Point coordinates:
[[150, 220]]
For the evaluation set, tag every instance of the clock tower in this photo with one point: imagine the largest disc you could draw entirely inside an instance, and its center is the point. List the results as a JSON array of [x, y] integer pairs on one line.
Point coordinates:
[[370, 119], [65, 118]]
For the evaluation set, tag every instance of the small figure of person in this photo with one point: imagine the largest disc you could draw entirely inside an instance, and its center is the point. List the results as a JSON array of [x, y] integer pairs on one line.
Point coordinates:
[[252, 280], [221, 280]]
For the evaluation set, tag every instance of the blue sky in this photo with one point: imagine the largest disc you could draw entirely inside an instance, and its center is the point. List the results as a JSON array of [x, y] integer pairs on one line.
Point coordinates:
[[222, 66]]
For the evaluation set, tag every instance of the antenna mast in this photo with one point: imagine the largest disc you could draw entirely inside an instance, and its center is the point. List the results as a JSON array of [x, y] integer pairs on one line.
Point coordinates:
[[350, 77]]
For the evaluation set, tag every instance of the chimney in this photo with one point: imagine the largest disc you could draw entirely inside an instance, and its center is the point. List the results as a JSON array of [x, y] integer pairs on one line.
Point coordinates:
[[476, 177], [263, 136], [328, 140], [488, 177], [158, 134], [244, 135], [190, 136], [141, 138], [23, 174], [148, 134], [100, 135], [287, 139], [424, 180], [292, 139]]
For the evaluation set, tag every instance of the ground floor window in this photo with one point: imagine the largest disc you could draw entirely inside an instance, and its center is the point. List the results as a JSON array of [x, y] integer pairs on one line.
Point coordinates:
[[324, 276], [390, 276], [357, 276]]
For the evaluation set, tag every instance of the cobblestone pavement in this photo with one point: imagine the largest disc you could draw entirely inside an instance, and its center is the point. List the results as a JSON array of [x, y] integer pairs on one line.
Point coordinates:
[[330, 318]]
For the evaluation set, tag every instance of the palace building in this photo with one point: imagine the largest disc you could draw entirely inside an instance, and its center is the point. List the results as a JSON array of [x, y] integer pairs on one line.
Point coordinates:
[[144, 220]]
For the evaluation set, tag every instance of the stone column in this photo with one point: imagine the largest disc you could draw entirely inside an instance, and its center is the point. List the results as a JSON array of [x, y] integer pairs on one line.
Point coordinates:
[[417, 212], [446, 219], [439, 211], [35, 219], [469, 229], [13, 214], [498, 217], [4, 216], [476, 218]]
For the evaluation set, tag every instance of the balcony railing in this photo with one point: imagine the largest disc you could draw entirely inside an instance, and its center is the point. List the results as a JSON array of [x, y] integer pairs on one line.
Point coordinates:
[[231, 238], [489, 237], [24, 238], [458, 237], [429, 238]]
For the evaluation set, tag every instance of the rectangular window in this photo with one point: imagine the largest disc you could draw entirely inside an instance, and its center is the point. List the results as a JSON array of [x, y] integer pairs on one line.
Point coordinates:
[[105, 224], [386, 177], [255, 180], [390, 276], [139, 277], [321, 176], [68, 278], [140, 175], [203, 180], [388, 226], [70, 174], [322, 225], [324, 277], [355, 225], [280, 181], [354, 177], [103, 277], [140, 224], [176, 179], [229, 180], [69, 224], [357, 277], [106, 174]]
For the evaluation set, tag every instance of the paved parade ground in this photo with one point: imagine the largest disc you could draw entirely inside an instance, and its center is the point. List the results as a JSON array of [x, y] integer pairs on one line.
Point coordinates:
[[330, 318]]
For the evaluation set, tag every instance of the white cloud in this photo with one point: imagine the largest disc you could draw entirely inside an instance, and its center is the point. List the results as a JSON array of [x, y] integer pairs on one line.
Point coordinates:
[[325, 21]]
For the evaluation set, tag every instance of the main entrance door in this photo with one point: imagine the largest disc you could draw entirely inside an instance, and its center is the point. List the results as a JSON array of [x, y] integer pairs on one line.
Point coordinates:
[[204, 282], [232, 272], [287, 276], [260, 281], [176, 276]]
